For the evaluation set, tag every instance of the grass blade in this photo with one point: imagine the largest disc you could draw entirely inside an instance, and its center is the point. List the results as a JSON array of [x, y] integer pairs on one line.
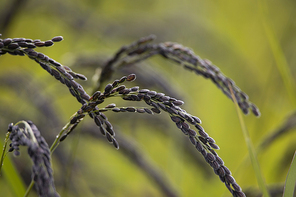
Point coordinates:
[[250, 147], [12, 177], [291, 179]]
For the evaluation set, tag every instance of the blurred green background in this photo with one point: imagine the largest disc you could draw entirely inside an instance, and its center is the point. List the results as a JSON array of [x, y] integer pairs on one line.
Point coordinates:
[[252, 42]]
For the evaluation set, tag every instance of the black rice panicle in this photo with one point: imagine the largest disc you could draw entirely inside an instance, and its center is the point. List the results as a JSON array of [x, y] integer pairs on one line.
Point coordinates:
[[155, 103], [143, 48], [39, 153], [26, 47]]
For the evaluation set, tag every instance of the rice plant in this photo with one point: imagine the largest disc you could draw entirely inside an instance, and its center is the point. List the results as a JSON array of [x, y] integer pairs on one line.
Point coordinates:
[[26, 133]]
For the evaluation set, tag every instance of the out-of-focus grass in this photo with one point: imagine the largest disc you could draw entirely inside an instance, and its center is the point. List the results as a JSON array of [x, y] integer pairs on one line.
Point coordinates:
[[251, 150], [226, 32], [291, 180], [12, 177]]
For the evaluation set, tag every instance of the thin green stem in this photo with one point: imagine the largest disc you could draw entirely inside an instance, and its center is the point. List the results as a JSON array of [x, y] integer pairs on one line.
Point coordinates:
[[291, 179], [57, 140], [279, 56], [29, 188], [52, 148], [251, 149], [4, 149]]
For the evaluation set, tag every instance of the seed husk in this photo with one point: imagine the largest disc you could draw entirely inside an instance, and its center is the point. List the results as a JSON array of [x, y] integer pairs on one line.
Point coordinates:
[[13, 46], [56, 74], [198, 127], [48, 43], [135, 89], [108, 88], [210, 140], [131, 77], [191, 132], [144, 91], [130, 109], [156, 110], [115, 143], [116, 109], [122, 79], [148, 111], [196, 119], [178, 102], [7, 41], [109, 137], [98, 121], [110, 130], [185, 125], [112, 105], [192, 140], [63, 137], [175, 119], [22, 44], [210, 157], [140, 110], [85, 96], [39, 44], [57, 38], [120, 88], [152, 93], [214, 146], [198, 146]]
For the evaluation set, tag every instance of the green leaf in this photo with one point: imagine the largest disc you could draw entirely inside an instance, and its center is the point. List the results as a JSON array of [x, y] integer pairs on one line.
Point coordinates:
[[291, 179], [12, 177]]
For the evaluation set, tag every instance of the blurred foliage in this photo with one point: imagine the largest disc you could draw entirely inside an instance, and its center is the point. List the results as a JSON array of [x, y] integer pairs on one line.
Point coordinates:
[[247, 40]]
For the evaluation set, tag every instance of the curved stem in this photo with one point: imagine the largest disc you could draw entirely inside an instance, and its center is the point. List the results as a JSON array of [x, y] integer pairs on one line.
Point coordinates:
[[29, 188], [4, 149], [52, 148]]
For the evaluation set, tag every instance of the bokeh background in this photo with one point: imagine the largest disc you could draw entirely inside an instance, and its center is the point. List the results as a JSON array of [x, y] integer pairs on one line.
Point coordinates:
[[252, 42]]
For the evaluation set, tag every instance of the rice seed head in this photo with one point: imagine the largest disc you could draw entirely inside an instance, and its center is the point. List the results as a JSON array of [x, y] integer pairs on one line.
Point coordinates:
[[98, 121], [116, 109], [112, 105], [13, 46], [191, 132], [131, 77], [144, 91], [148, 111], [48, 43], [110, 131], [115, 143], [192, 140], [108, 88], [214, 146], [120, 88], [102, 130], [7, 41], [109, 137], [178, 102], [39, 44], [130, 109], [134, 89], [155, 110], [210, 157], [63, 137], [140, 110], [196, 119], [230, 179], [57, 38], [236, 187], [198, 146], [255, 110], [210, 140], [122, 79]]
